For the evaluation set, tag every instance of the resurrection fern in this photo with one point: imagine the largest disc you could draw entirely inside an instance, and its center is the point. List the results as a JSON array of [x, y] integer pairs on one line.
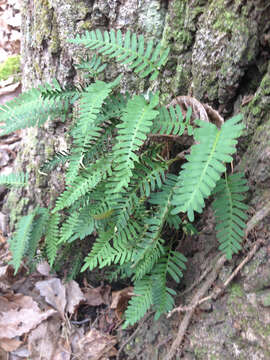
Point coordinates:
[[205, 164], [126, 204], [14, 179], [128, 49], [230, 213]]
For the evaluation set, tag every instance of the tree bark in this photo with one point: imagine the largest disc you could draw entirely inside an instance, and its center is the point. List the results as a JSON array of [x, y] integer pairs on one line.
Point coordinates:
[[220, 53]]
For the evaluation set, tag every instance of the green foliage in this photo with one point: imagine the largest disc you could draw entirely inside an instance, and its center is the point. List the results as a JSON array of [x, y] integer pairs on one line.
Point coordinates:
[[121, 195], [205, 164], [230, 213], [128, 49], [10, 67], [14, 179]]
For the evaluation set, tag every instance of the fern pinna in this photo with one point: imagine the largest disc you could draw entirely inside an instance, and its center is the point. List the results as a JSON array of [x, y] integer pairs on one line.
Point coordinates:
[[121, 195]]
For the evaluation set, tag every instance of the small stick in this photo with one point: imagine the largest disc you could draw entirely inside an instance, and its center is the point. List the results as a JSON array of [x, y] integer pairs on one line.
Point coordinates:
[[186, 320]]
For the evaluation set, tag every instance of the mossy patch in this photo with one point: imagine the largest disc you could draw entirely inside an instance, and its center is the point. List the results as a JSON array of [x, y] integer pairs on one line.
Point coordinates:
[[11, 66]]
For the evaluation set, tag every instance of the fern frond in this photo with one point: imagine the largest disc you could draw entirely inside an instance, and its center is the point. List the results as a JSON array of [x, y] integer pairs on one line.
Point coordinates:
[[171, 122], [52, 237], [28, 110], [230, 213], [87, 127], [84, 183], [55, 92], [140, 302], [92, 67], [102, 252], [205, 164], [136, 123], [38, 229], [14, 179], [151, 248], [129, 49], [19, 242], [79, 224], [58, 159]]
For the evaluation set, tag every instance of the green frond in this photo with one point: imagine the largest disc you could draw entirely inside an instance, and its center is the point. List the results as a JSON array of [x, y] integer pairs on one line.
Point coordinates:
[[170, 121], [28, 110], [91, 67], [14, 179], [151, 248], [38, 230], [87, 181], [78, 225], [58, 159], [230, 213], [75, 266], [19, 242], [124, 241], [132, 132], [140, 302], [88, 126], [52, 237], [130, 49], [102, 252], [205, 164], [57, 92]]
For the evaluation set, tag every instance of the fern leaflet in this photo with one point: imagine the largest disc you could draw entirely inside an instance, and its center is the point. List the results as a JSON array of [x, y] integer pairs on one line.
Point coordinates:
[[205, 164], [229, 211]]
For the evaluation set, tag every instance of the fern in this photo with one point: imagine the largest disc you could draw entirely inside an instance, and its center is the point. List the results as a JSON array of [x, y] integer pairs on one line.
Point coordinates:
[[129, 49], [33, 108], [229, 211], [86, 128], [92, 68], [14, 179], [121, 196], [38, 230], [136, 123], [52, 237], [171, 122], [19, 242], [58, 159], [205, 164], [172, 264], [140, 302]]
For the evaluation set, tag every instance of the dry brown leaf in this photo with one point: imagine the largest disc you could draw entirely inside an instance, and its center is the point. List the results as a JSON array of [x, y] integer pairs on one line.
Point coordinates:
[[10, 344], [43, 268], [20, 314], [74, 296], [55, 294], [45, 342], [120, 300], [97, 296], [96, 345]]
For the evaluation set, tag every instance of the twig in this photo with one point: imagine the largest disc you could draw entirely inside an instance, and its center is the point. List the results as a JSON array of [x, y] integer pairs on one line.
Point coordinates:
[[186, 320], [132, 336], [257, 217], [197, 300]]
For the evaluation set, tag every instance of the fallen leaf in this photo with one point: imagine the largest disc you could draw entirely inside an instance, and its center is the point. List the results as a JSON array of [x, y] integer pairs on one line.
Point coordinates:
[[97, 296], [43, 268], [45, 342], [55, 294], [96, 345], [74, 296], [10, 344], [120, 300], [20, 314]]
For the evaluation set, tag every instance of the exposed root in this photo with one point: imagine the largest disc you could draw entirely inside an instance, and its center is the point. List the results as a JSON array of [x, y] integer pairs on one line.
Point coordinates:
[[198, 297]]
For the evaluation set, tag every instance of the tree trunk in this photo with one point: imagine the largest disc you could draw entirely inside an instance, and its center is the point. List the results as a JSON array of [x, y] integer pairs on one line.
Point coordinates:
[[220, 53]]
